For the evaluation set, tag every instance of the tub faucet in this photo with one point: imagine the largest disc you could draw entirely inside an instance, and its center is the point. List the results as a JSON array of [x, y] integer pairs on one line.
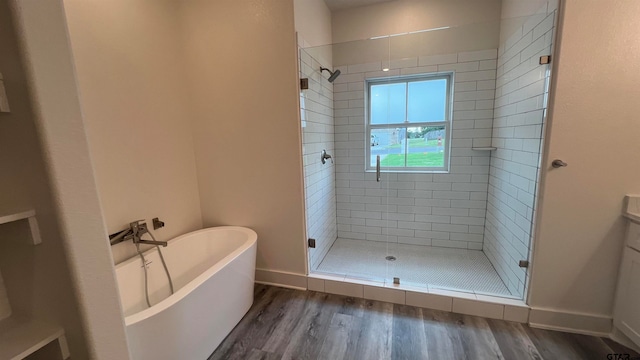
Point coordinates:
[[134, 232], [139, 228], [120, 236]]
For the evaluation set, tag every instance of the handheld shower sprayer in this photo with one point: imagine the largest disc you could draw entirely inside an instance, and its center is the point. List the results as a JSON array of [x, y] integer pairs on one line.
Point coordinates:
[[333, 74]]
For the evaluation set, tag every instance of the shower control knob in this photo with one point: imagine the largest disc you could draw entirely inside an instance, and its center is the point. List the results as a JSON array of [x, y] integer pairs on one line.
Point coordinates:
[[557, 163]]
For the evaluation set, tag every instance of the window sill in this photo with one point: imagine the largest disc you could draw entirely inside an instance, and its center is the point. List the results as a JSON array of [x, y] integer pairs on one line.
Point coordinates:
[[409, 171]]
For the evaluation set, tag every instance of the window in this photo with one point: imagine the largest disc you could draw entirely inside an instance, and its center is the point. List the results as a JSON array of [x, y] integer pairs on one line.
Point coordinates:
[[408, 123]]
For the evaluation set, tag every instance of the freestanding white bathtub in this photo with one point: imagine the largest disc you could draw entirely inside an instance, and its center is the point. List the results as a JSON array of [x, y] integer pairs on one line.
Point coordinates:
[[213, 272]]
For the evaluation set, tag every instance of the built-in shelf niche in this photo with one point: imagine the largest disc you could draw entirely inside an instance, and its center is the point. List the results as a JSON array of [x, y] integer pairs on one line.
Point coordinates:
[[484, 148], [21, 338], [30, 216]]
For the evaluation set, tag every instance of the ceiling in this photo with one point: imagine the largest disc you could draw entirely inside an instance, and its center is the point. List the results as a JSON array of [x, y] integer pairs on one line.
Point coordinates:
[[335, 5]]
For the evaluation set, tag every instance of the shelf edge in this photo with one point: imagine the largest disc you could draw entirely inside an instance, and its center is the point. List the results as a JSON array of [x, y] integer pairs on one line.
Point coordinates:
[[484, 148], [29, 215]]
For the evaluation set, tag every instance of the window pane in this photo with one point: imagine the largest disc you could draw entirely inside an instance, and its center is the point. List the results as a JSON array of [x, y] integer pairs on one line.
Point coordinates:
[[427, 100], [388, 103], [426, 146], [390, 145]]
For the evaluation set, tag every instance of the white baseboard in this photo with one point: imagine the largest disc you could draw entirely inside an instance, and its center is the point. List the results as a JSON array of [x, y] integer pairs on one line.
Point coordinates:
[[573, 322], [281, 279], [619, 337]]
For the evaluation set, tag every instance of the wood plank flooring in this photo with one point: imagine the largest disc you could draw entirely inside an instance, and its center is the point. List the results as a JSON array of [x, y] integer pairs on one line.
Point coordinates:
[[293, 324]]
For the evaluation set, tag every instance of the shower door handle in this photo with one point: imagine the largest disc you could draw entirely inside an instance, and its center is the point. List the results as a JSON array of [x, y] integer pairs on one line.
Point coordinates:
[[378, 168]]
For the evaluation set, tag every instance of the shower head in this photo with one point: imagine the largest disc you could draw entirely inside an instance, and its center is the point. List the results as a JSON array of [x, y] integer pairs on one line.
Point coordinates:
[[333, 74]]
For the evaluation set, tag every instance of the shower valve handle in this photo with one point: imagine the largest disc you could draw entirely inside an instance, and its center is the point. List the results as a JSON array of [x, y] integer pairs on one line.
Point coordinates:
[[324, 157]]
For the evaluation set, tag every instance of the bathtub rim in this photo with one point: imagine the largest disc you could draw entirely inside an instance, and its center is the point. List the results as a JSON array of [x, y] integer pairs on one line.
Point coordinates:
[[251, 240]]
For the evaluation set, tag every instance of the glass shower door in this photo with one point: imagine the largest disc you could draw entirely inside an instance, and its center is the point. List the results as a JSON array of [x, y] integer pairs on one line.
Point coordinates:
[[408, 121], [385, 101]]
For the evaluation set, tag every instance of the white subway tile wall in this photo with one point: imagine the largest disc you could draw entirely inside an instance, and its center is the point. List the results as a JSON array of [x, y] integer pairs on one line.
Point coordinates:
[[521, 93], [316, 106], [431, 209]]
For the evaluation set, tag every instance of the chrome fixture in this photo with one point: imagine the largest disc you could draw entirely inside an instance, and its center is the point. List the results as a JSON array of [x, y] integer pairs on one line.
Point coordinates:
[[139, 228], [333, 74], [121, 236], [557, 163], [390, 258], [157, 224], [378, 168], [134, 233], [324, 156], [546, 59]]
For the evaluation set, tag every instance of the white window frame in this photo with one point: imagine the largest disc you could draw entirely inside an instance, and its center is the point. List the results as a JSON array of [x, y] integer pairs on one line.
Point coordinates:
[[406, 124]]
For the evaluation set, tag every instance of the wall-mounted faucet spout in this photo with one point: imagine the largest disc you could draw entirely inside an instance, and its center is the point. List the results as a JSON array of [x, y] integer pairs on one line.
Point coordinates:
[[134, 232], [324, 156], [139, 228]]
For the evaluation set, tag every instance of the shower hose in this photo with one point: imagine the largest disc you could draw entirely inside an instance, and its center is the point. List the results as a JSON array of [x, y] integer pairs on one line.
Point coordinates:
[[146, 276]]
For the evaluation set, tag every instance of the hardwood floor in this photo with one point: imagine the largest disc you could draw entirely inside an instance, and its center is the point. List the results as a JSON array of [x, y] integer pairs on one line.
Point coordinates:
[[293, 324]]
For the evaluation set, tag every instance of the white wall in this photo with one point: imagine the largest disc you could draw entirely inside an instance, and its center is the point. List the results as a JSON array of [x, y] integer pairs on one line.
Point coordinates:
[[516, 12], [580, 233], [244, 92], [133, 83], [37, 278], [313, 22], [138, 65], [53, 92], [474, 26], [423, 209], [402, 16], [521, 88], [475, 37]]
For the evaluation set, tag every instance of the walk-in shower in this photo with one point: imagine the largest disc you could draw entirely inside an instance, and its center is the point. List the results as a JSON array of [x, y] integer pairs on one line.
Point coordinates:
[[436, 137]]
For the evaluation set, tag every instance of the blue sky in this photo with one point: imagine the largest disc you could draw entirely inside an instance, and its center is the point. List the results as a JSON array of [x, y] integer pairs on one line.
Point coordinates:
[[426, 101]]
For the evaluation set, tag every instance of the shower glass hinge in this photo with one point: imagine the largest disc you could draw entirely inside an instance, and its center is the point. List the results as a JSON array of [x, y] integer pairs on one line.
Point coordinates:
[[523, 263], [396, 280], [546, 59], [312, 243], [304, 83]]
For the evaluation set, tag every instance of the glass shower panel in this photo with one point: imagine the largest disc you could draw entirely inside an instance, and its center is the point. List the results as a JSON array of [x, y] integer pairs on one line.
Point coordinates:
[[384, 89], [317, 124], [436, 141], [522, 89]]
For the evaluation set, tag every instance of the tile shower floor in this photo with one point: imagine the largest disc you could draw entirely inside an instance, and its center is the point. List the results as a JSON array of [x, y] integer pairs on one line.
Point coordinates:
[[457, 269]]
